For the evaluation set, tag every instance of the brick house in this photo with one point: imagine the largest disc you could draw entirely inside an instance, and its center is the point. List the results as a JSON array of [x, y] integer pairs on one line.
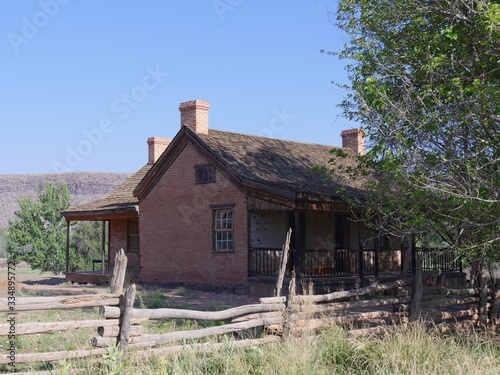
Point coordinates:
[[213, 207]]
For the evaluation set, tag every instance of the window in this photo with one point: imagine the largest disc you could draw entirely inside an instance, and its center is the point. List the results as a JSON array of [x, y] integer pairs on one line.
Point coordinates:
[[223, 229], [133, 235], [204, 174]]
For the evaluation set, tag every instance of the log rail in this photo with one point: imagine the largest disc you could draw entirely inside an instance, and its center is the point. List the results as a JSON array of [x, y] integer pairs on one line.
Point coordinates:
[[364, 311]]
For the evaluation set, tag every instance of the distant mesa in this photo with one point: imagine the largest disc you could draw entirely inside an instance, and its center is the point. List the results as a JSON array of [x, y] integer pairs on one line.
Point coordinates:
[[84, 187]]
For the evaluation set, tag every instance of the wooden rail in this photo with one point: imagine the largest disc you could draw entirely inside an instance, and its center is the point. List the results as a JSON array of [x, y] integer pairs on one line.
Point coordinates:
[[60, 302], [122, 324], [23, 304]]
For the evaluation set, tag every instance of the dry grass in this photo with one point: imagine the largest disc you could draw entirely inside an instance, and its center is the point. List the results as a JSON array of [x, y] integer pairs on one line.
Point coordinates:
[[409, 349], [414, 349]]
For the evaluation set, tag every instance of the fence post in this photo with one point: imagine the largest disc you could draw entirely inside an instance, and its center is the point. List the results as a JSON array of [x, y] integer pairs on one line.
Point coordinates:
[[360, 252], [413, 246], [483, 293], [119, 271], [495, 302], [290, 308], [416, 300], [406, 257], [125, 319], [283, 262]]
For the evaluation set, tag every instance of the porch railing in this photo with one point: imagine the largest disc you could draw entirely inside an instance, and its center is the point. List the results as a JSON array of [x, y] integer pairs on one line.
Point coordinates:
[[313, 263], [442, 259], [264, 261], [335, 263]]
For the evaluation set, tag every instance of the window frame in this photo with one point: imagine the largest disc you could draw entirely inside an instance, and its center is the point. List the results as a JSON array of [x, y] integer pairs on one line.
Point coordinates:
[[134, 235], [208, 174], [215, 230]]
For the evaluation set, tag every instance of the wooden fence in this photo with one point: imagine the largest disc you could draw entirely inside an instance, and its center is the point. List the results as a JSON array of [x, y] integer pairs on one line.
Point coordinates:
[[269, 312], [394, 304], [402, 300]]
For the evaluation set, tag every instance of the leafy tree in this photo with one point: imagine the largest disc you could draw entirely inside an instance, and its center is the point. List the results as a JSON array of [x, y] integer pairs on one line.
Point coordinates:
[[86, 244], [425, 85], [39, 235]]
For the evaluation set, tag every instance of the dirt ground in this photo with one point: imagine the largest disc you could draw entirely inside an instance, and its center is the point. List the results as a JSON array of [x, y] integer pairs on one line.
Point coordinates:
[[35, 284]]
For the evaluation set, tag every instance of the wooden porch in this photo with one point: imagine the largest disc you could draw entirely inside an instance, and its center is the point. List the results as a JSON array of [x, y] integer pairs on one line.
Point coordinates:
[[314, 263], [89, 277], [325, 271], [96, 277], [325, 263]]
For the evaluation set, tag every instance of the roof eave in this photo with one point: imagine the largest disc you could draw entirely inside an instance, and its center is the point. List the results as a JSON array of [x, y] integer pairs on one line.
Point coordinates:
[[182, 138], [103, 214], [160, 166]]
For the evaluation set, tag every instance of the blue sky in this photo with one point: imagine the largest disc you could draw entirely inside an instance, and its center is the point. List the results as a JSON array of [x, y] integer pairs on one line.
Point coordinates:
[[85, 83]]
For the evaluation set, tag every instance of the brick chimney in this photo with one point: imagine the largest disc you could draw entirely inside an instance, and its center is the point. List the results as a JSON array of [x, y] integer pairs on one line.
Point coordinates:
[[156, 146], [194, 114], [354, 139]]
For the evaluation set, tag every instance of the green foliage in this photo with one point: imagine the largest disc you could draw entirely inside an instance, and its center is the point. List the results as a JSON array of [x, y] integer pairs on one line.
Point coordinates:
[[113, 363], [413, 349], [86, 244], [425, 85], [38, 236], [418, 348]]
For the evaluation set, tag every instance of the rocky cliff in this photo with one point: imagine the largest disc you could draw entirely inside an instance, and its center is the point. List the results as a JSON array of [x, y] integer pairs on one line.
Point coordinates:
[[83, 186]]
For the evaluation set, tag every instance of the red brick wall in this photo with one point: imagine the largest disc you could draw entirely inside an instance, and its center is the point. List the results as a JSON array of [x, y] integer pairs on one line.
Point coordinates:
[[117, 241], [176, 228]]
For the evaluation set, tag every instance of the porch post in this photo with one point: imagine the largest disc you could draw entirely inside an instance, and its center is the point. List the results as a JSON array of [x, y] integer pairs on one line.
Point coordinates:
[[103, 246], [413, 254], [377, 252], [360, 251], [67, 245], [297, 255]]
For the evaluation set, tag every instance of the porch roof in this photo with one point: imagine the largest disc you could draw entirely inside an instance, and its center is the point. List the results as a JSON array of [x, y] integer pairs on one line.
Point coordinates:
[[120, 203]]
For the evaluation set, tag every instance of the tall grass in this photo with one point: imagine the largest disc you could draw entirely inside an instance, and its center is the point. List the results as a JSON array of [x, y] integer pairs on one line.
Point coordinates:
[[408, 349], [414, 349]]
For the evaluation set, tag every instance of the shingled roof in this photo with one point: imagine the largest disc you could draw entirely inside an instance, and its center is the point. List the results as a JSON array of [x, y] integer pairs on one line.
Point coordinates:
[[121, 201], [282, 168], [282, 164]]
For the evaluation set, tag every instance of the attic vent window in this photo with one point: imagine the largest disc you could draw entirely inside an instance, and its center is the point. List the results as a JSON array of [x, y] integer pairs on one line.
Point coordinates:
[[204, 173]]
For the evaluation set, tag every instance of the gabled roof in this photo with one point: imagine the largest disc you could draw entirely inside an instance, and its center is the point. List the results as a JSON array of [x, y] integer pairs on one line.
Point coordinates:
[[120, 202], [282, 168], [274, 162]]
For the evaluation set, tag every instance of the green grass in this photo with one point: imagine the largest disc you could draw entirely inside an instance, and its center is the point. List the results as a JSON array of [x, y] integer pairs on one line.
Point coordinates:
[[411, 349], [26, 271], [415, 349], [75, 339]]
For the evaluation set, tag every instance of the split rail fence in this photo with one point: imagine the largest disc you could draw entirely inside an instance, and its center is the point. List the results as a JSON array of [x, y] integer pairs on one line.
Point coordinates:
[[121, 324]]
